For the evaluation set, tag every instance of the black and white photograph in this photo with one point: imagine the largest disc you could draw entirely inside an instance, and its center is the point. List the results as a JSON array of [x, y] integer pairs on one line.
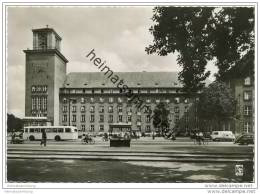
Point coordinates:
[[120, 93]]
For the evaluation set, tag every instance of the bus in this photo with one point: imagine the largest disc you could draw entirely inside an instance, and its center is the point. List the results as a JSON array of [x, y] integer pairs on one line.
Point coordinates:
[[57, 133]]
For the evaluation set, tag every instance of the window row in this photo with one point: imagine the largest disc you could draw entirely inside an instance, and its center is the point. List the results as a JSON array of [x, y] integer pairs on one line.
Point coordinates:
[[119, 91], [39, 88], [128, 118], [39, 103], [101, 128], [101, 109], [110, 109], [176, 100]]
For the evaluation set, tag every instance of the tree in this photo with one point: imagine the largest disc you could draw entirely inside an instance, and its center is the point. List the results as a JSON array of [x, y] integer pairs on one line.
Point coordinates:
[[201, 34], [160, 117], [216, 103], [14, 123]]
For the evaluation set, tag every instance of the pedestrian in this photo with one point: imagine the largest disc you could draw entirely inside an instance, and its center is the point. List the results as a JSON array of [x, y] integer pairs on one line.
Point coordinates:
[[44, 138], [13, 137], [201, 139], [153, 135]]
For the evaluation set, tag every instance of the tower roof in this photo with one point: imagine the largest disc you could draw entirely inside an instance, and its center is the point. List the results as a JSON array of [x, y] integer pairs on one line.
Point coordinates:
[[47, 29]]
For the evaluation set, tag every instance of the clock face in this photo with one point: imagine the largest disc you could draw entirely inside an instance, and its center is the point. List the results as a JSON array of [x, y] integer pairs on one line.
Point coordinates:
[[42, 38]]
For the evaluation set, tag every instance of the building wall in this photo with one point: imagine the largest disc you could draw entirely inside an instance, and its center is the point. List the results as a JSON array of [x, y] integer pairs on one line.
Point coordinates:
[[245, 107], [44, 69], [69, 100], [59, 78]]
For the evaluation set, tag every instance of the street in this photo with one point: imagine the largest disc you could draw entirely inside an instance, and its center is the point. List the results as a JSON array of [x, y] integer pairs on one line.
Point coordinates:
[[145, 161]]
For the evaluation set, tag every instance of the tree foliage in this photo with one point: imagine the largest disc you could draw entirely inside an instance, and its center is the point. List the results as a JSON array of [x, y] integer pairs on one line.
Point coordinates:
[[201, 34], [14, 123], [160, 116], [216, 102]]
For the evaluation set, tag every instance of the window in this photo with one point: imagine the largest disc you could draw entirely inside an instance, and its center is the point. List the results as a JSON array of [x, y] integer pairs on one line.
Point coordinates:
[[92, 118], [33, 103], [67, 130], [82, 118], [92, 91], [177, 100], [92, 109], [247, 81], [167, 101], [148, 128], [64, 118], [44, 107], [101, 109], [44, 88], [247, 95], [33, 88], [129, 118], [73, 118], [110, 109], [119, 109], [101, 128], [247, 127], [157, 101], [101, 118], [247, 110], [176, 109], [82, 100], [92, 127], [74, 108], [120, 100], [148, 118], [83, 128], [110, 118], [101, 99], [92, 100], [110, 100], [60, 130], [148, 100], [120, 118], [82, 108], [102, 91]]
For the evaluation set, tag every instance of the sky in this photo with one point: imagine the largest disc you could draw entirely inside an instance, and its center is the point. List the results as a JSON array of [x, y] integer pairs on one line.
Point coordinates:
[[119, 36]]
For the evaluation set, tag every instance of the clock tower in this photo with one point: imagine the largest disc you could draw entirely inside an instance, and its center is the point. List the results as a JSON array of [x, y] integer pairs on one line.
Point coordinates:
[[45, 73]]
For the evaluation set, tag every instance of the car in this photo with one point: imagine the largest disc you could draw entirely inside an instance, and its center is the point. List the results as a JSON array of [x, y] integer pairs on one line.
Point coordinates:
[[222, 136], [246, 138], [17, 139]]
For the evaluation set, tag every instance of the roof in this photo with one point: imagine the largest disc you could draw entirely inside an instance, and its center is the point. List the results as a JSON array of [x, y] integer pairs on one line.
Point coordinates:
[[47, 29], [131, 79]]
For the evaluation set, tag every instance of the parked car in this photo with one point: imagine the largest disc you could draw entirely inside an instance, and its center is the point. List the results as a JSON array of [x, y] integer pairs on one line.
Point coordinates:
[[222, 136], [17, 138], [246, 138]]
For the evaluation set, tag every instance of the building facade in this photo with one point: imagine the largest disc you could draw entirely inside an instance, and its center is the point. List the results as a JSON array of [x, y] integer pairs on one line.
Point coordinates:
[[90, 101], [243, 91]]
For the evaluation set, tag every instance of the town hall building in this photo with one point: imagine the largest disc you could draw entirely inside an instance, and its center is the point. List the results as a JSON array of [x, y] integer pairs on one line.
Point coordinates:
[[89, 101]]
